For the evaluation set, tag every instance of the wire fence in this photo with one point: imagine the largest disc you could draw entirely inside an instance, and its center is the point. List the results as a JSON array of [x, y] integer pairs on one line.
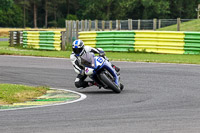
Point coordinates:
[[101, 25], [73, 27]]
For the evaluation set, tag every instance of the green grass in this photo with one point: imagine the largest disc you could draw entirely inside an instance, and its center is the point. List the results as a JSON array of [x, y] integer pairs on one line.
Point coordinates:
[[114, 56], [11, 93], [193, 25], [158, 58], [3, 36], [6, 50]]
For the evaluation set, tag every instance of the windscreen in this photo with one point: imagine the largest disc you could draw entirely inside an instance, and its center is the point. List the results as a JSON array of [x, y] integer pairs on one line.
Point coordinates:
[[87, 59]]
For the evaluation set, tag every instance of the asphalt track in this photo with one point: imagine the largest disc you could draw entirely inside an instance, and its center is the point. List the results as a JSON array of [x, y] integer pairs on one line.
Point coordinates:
[[158, 98], [3, 39]]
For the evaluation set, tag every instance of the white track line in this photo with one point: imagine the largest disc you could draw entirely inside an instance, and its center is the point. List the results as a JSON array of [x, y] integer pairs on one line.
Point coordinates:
[[82, 97]]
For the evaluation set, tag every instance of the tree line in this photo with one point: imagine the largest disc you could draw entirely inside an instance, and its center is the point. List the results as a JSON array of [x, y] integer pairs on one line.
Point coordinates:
[[53, 13]]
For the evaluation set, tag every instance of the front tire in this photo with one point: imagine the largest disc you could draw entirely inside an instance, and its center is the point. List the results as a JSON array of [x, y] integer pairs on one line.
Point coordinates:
[[110, 83]]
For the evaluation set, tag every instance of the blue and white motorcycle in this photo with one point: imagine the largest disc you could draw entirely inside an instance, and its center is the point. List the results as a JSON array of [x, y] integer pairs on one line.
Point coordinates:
[[99, 69]]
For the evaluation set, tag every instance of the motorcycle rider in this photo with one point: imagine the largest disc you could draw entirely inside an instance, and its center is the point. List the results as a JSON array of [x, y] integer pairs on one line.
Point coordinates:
[[78, 50]]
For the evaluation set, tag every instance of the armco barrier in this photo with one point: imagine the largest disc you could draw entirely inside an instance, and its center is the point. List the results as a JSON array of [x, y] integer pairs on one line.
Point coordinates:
[[147, 41], [47, 40]]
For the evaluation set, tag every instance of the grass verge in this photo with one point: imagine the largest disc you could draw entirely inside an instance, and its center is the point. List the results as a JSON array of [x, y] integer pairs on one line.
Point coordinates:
[[114, 56], [11, 93], [193, 25]]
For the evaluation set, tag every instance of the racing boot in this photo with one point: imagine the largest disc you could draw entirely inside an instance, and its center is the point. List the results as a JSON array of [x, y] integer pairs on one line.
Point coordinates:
[[91, 83], [121, 86]]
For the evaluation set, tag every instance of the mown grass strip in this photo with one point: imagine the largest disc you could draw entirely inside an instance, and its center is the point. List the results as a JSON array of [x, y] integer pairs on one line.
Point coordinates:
[[11, 93], [114, 56]]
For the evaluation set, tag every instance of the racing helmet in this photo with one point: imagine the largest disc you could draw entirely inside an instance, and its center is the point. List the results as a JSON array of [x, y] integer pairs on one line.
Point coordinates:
[[78, 47]]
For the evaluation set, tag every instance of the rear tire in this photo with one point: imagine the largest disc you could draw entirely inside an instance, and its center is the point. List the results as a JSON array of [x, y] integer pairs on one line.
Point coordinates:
[[110, 83]]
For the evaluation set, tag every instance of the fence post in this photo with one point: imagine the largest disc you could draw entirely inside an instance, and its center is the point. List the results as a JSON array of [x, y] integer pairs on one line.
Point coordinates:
[[103, 25], [110, 25], [77, 28], [90, 25], [18, 38], [159, 24], [198, 11], [67, 32], [82, 25], [63, 40], [154, 24], [11, 39], [118, 24], [86, 25], [139, 24], [178, 24], [96, 25], [130, 24], [70, 34]]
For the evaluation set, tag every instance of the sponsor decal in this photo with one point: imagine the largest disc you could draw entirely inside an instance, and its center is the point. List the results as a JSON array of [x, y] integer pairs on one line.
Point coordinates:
[[87, 70]]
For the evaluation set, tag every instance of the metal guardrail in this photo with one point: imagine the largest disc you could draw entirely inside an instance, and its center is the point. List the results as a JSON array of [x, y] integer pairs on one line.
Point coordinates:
[[16, 38], [166, 42], [47, 40]]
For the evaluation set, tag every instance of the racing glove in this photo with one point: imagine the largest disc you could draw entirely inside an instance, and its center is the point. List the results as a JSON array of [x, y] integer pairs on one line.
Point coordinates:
[[82, 72]]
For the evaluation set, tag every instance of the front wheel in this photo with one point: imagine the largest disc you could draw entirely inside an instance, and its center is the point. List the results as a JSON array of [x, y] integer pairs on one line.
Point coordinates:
[[111, 84]]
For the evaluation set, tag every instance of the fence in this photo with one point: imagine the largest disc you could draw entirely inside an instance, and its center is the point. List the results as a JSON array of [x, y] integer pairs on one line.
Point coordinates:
[[45, 40], [73, 27], [146, 41]]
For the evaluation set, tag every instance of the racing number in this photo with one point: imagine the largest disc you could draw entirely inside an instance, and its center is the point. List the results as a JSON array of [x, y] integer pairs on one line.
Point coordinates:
[[100, 60]]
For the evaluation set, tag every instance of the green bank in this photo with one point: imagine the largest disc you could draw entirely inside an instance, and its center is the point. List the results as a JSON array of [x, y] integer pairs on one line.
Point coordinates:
[[193, 25]]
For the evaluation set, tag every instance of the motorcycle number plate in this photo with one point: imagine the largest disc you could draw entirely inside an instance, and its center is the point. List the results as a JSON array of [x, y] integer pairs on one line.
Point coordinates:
[[100, 60]]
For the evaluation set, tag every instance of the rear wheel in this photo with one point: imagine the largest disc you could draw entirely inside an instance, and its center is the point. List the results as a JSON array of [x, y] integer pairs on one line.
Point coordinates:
[[108, 81]]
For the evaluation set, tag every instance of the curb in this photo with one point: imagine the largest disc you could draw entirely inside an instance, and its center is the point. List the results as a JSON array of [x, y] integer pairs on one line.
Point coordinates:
[[53, 97]]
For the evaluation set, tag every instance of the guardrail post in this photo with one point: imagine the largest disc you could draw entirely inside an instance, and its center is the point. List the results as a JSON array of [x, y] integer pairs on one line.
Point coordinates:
[[178, 24], [154, 24], [139, 24], [110, 25]]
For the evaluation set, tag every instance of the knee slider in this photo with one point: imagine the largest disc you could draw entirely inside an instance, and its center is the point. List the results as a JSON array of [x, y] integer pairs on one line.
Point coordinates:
[[77, 84]]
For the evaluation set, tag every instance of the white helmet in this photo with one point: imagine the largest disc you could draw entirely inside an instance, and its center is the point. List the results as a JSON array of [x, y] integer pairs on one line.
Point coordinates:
[[78, 47]]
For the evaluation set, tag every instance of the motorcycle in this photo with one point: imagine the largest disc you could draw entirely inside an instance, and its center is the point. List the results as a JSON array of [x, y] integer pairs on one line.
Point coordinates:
[[100, 70]]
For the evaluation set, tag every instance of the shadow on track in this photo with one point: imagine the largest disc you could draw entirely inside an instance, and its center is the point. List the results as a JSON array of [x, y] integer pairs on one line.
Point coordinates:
[[97, 92]]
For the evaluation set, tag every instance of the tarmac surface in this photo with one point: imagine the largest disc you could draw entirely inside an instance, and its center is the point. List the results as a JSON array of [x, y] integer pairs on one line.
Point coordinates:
[[3, 39], [157, 98]]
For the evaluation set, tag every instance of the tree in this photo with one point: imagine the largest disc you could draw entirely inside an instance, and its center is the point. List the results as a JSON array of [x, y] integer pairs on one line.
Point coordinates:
[[25, 5], [13, 17], [5, 4], [35, 4]]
